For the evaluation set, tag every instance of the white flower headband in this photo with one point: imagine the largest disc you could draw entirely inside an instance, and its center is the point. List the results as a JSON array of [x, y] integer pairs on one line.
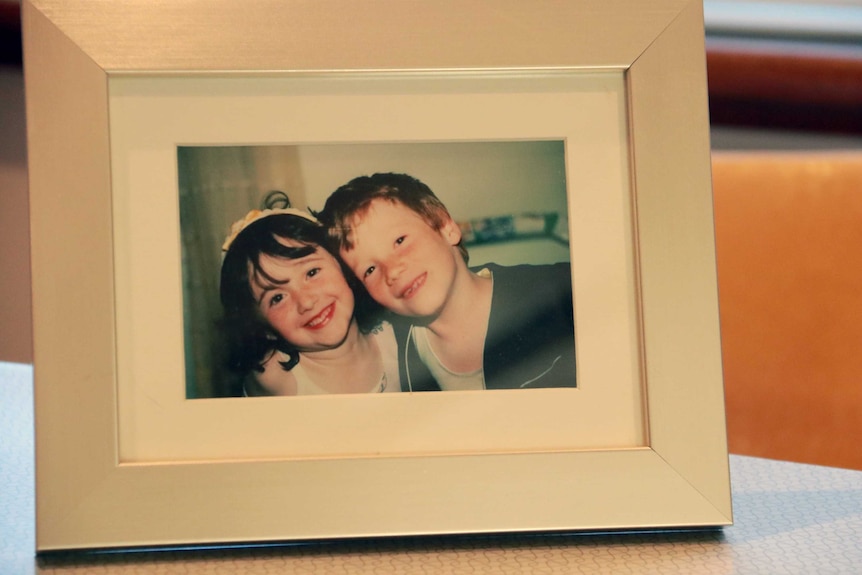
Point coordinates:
[[238, 226]]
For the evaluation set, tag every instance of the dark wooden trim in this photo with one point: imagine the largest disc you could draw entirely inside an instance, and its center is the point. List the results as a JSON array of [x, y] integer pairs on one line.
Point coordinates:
[[785, 85], [827, 119], [10, 33]]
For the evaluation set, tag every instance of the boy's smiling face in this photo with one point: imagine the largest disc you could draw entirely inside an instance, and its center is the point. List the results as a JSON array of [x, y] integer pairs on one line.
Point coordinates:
[[404, 263]]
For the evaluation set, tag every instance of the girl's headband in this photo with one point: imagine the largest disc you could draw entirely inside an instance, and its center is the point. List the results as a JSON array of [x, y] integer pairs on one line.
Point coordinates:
[[254, 215]]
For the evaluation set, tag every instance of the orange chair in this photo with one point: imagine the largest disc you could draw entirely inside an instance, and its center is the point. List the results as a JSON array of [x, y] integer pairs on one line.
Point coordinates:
[[789, 252]]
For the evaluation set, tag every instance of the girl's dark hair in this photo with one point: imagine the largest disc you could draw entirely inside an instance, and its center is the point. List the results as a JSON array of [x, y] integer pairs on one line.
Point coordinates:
[[251, 341]]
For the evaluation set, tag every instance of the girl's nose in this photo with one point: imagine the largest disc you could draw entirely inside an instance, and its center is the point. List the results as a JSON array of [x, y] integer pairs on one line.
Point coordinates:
[[305, 300]]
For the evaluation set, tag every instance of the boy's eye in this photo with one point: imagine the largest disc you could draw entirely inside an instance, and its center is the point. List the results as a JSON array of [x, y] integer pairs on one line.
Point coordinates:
[[313, 272], [400, 240], [368, 272]]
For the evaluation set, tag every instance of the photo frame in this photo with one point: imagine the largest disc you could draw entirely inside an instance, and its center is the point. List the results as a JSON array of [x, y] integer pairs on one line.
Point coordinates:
[[108, 476]]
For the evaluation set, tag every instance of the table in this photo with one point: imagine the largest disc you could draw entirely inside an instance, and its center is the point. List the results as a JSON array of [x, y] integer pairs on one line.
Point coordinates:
[[789, 518]]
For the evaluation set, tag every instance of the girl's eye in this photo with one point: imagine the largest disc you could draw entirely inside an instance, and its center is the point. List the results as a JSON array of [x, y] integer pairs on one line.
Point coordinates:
[[400, 240], [313, 272], [276, 299], [368, 272]]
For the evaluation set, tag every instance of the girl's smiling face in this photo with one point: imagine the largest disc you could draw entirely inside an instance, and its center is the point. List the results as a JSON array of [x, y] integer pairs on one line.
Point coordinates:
[[308, 302]]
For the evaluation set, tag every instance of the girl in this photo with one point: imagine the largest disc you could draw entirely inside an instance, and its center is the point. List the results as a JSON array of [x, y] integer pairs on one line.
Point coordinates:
[[293, 319]]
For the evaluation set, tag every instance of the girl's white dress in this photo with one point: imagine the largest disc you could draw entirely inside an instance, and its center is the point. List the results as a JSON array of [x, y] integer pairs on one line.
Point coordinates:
[[390, 381]]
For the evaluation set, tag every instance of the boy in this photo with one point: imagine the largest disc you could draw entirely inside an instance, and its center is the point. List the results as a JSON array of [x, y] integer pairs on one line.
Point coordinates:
[[493, 328]]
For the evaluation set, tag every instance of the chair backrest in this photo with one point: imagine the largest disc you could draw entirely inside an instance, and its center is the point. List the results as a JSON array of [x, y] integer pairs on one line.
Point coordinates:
[[789, 253]]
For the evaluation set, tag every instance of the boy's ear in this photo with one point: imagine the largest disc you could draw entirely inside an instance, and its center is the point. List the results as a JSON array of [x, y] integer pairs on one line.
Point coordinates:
[[450, 230]]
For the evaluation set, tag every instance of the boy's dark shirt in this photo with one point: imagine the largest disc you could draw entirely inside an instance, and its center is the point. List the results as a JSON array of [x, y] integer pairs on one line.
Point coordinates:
[[530, 341]]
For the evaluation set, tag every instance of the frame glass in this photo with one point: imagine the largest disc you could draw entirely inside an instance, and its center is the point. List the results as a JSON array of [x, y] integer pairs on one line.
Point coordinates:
[[135, 463]]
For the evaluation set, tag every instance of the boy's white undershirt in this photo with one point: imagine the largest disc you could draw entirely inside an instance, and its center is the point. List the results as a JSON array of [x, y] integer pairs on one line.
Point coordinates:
[[447, 379]]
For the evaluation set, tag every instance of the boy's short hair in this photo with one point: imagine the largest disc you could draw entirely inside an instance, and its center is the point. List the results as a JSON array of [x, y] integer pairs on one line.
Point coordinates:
[[353, 199]]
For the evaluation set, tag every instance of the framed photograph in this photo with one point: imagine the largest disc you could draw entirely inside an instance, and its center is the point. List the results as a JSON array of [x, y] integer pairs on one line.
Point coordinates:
[[508, 198], [573, 134]]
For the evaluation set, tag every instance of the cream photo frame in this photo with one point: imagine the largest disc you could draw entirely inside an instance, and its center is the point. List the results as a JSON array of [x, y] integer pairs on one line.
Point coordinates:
[[100, 483]]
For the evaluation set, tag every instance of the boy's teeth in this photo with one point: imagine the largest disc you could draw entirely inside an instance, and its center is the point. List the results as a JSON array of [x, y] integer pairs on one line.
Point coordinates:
[[408, 291]]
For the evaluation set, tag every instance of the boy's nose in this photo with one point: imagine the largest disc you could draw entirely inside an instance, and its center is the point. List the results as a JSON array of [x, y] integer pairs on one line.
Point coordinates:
[[393, 272]]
